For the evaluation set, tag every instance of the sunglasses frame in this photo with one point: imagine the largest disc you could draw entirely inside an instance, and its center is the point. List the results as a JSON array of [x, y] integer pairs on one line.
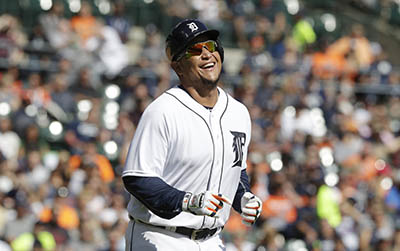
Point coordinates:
[[187, 55]]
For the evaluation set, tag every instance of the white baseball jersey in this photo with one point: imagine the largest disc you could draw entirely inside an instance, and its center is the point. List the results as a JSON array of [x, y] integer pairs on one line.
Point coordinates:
[[191, 148]]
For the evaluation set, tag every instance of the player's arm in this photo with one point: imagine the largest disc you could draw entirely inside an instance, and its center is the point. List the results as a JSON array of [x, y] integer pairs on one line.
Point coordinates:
[[167, 202], [162, 199], [244, 186], [246, 203], [144, 164]]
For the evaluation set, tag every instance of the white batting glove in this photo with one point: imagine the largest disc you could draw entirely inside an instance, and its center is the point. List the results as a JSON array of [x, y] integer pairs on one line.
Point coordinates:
[[206, 203], [251, 208]]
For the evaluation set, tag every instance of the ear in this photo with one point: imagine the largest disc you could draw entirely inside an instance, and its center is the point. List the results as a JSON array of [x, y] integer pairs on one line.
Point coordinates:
[[177, 67], [168, 53]]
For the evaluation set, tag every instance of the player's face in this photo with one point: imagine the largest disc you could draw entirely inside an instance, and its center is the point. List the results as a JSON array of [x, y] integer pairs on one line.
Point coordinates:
[[202, 63]]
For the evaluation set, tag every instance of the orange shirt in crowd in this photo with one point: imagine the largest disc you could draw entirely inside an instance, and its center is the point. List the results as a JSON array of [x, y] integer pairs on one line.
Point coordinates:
[[279, 206], [105, 169], [327, 65], [365, 169], [85, 27], [234, 223], [360, 46], [45, 215], [67, 217], [38, 95]]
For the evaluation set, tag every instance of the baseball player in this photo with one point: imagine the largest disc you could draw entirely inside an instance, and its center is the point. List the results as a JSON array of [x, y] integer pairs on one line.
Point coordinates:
[[186, 164]]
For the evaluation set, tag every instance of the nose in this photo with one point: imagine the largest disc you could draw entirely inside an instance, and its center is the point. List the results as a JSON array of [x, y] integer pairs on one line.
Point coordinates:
[[205, 53]]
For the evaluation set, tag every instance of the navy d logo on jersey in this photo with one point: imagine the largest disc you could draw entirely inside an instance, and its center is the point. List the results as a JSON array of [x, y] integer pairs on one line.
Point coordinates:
[[239, 138]]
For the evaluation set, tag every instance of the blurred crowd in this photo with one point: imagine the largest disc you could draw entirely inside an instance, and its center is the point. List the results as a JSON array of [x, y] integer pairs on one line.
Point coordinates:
[[325, 148]]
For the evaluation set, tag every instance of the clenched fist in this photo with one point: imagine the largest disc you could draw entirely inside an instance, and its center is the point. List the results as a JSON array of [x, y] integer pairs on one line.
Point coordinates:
[[251, 208], [206, 203]]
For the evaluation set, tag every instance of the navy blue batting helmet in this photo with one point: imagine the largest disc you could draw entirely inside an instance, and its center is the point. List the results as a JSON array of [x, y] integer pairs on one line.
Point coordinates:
[[185, 32]]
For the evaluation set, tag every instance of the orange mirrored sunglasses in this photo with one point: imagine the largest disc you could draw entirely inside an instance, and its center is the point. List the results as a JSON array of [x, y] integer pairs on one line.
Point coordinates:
[[197, 48]]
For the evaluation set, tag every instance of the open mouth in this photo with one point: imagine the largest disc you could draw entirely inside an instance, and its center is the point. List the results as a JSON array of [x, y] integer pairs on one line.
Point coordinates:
[[208, 66]]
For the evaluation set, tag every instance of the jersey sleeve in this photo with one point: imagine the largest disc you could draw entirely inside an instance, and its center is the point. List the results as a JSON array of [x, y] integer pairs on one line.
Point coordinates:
[[248, 139], [244, 186], [148, 150], [162, 199]]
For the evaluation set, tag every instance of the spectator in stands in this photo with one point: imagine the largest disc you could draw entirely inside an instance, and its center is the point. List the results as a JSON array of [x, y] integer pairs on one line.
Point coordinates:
[[278, 36], [36, 92], [106, 45], [84, 24], [119, 20], [39, 239], [38, 45], [279, 210], [23, 222], [12, 39], [258, 58], [10, 142], [209, 11], [355, 44], [58, 30], [61, 95], [239, 242], [269, 8], [303, 33], [153, 52], [327, 65], [85, 86], [34, 140]]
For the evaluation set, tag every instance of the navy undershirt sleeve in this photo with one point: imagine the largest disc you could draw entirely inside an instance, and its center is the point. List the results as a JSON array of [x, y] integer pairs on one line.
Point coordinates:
[[244, 186], [162, 199]]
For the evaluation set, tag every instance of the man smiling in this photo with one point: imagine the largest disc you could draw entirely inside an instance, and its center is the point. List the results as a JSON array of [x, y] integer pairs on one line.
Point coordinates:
[[186, 166]]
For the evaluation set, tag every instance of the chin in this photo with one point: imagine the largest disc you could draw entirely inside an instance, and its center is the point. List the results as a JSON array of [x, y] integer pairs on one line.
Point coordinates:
[[210, 82]]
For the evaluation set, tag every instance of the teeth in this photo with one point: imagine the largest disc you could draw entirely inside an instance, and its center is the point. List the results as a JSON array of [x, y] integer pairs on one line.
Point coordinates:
[[208, 65]]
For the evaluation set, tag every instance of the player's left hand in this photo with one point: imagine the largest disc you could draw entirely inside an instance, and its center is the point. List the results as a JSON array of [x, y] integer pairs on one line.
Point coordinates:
[[251, 208]]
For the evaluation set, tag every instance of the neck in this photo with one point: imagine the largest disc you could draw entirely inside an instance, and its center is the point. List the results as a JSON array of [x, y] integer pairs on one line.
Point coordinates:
[[204, 96]]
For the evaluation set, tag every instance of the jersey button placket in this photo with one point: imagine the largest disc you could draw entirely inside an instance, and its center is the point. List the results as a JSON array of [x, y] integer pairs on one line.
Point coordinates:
[[218, 148]]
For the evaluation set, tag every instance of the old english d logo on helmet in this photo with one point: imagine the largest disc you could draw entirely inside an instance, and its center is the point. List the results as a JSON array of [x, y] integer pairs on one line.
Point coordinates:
[[192, 26]]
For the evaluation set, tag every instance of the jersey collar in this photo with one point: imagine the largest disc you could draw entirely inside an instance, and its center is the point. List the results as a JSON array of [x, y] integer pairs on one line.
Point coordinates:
[[185, 98]]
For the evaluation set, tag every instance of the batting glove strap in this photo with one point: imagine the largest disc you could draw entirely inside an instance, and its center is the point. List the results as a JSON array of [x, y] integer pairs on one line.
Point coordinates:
[[206, 203], [251, 208], [185, 202]]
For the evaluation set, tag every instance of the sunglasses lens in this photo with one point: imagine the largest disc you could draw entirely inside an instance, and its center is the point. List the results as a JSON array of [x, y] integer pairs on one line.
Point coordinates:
[[211, 46], [196, 49]]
